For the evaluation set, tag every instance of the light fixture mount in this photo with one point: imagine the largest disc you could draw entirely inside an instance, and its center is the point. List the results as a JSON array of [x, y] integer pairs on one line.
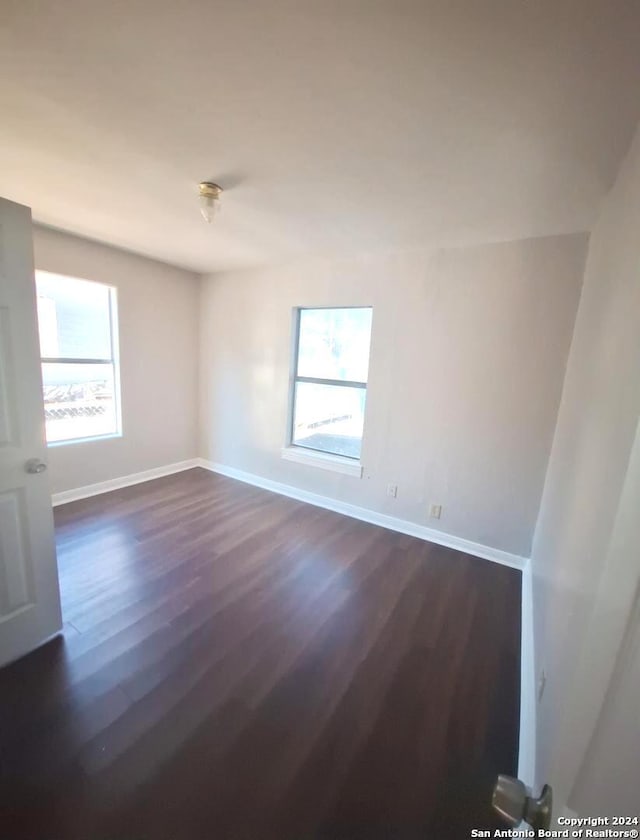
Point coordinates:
[[209, 199]]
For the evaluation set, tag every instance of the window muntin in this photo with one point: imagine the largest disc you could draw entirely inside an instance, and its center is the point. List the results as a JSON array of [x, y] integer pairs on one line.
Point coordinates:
[[78, 348], [330, 379]]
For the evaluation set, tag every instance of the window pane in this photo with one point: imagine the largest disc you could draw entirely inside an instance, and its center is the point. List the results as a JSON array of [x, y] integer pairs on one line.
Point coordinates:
[[334, 343], [329, 418], [73, 318], [79, 401]]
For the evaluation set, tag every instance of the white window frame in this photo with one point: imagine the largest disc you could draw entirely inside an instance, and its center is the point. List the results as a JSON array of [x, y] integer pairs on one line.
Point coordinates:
[[114, 361], [304, 454]]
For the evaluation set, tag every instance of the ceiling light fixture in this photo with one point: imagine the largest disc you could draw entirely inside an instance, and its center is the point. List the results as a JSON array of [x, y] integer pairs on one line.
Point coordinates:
[[209, 200]]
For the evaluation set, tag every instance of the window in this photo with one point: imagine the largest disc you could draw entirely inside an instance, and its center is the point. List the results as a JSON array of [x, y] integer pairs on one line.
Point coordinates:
[[77, 321], [329, 386]]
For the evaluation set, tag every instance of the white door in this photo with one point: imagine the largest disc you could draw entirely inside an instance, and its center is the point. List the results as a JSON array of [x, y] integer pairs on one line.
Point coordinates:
[[609, 782], [595, 762], [29, 595]]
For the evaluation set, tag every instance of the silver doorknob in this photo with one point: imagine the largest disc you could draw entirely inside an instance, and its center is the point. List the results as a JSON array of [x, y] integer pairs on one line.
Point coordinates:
[[35, 465], [512, 801]]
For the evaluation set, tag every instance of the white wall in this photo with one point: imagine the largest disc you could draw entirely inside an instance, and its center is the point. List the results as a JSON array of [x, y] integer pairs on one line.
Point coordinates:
[[582, 575], [467, 361], [609, 781], [158, 324]]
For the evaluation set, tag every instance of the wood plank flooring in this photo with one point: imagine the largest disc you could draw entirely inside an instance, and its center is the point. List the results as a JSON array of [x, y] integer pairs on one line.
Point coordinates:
[[236, 664]]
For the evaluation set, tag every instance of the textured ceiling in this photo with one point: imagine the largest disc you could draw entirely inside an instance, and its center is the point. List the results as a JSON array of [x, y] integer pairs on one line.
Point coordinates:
[[335, 126]]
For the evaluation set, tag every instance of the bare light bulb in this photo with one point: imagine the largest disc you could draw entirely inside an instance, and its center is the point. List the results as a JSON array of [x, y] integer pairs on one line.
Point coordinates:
[[208, 208], [209, 200]]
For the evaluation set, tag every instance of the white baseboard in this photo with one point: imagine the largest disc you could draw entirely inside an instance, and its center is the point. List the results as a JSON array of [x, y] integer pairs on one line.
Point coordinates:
[[124, 481], [528, 698], [403, 526]]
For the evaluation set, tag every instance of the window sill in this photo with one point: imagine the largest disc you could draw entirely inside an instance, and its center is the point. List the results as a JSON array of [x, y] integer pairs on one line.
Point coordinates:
[[335, 463], [94, 439]]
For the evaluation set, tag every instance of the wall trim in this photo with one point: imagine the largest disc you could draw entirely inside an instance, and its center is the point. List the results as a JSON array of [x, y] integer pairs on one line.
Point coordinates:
[[403, 526], [88, 490], [528, 698]]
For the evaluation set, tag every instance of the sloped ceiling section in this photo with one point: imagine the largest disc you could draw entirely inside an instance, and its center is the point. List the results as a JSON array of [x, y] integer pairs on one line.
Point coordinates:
[[335, 125]]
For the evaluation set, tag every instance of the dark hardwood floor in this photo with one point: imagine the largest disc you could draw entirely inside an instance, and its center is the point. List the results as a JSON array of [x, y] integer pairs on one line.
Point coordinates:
[[236, 664]]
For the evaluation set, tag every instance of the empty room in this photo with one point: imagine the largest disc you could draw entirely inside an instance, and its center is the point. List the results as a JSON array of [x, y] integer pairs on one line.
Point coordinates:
[[319, 419]]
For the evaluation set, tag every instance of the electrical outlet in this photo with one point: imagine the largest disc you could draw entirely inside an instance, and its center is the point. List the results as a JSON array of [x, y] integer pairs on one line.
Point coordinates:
[[542, 682], [392, 490], [435, 511]]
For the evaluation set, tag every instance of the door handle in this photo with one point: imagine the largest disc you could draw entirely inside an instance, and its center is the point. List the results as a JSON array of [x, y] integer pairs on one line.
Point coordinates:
[[512, 801], [35, 465]]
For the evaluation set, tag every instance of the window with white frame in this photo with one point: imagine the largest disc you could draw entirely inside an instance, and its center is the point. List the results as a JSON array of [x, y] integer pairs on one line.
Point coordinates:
[[77, 322], [329, 382]]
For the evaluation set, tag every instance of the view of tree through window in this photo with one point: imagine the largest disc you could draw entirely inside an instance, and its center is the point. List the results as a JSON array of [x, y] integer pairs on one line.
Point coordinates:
[[330, 379], [76, 325]]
